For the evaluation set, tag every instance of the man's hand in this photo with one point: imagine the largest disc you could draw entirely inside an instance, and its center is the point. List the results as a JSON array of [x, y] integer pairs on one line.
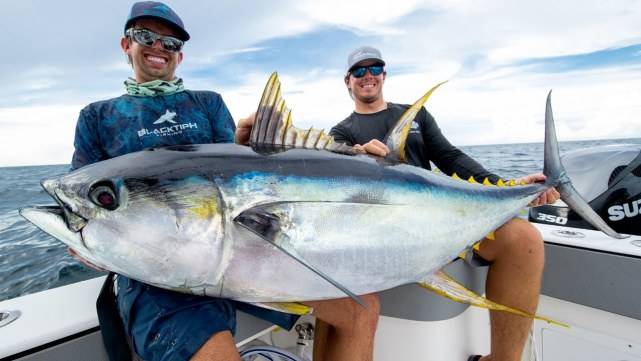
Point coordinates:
[[244, 128], [548, 197], [84, 261], [374, 146]]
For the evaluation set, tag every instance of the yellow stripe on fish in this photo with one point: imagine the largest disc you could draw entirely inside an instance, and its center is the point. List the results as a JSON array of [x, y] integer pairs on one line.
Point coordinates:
[[205, 208]]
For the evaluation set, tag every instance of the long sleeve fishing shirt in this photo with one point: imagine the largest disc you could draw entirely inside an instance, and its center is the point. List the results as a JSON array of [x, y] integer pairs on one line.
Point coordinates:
[[425, 141], [127, 124]]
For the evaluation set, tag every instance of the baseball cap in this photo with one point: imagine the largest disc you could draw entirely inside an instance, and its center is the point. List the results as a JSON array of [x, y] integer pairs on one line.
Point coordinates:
[[364, 53], [159, 11]]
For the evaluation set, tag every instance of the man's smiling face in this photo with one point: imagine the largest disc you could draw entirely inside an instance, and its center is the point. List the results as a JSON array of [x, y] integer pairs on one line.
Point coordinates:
[[152, 62], [368, 88]]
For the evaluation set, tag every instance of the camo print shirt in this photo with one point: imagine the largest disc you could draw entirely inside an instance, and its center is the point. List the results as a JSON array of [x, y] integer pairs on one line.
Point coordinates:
[[127, 124], [425, 142]]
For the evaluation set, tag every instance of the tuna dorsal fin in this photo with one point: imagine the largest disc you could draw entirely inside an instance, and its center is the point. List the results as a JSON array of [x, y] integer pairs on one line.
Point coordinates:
[[446, 286], [274, 130], [397, 136], [266, 225]]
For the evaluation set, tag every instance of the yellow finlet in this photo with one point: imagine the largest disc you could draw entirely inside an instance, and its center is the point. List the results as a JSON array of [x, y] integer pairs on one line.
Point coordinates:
[[476, 247], [500, 183], [522, 182], [486, 182], [321, 137], [294, 308], [511, 183], [306, 135], [472, 180], [455, 176]]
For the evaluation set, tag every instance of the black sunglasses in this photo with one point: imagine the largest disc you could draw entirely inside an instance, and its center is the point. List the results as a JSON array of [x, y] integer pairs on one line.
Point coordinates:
[[148, 38], [359, 71]]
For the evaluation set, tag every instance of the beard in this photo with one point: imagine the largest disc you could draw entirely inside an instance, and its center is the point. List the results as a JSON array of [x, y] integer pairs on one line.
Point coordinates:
[[368, 99]]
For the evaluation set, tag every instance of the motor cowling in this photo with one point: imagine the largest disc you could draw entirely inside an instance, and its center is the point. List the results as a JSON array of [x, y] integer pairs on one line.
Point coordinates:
[[609, 178]]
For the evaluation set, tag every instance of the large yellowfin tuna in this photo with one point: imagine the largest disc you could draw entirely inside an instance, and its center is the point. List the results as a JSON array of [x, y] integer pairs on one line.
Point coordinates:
[[295, 217]]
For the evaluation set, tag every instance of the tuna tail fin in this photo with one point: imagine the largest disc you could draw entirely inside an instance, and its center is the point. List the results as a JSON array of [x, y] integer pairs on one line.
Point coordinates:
[[397, 136], [274, 130], [557, 177], [446, 286]]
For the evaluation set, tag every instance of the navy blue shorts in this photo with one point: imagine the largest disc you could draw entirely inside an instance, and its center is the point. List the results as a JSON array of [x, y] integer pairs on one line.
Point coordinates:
[[166, 326]]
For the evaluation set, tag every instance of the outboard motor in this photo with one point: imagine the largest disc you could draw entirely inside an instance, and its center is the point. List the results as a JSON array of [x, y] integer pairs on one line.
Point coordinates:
[[609, 178]]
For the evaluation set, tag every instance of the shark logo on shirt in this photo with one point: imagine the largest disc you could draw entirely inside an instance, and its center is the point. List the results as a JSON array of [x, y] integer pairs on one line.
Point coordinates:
[[167, 117], [167, 130]]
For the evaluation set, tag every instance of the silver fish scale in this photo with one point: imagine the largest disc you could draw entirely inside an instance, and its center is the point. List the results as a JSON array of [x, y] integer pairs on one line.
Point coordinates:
[[365, 247]]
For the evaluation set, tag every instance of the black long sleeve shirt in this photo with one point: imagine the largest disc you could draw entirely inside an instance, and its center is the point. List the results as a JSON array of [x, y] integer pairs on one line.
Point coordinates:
[[425, 141]]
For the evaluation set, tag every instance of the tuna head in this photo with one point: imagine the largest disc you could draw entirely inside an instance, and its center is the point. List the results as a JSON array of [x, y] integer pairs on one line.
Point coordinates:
[[152, 227]]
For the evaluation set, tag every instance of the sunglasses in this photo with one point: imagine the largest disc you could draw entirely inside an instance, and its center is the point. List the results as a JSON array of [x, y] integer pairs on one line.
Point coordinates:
[[148, 38], [360, 71]]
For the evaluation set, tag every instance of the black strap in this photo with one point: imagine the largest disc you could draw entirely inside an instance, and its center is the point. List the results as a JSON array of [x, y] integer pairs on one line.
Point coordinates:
[[113, 331]]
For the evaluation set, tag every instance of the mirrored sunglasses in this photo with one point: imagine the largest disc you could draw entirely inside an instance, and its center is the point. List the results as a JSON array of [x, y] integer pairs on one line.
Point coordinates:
[[359, 71], [148, 38]]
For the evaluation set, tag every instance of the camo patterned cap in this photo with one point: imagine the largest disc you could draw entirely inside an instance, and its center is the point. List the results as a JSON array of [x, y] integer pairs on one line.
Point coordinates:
[[159, 11]]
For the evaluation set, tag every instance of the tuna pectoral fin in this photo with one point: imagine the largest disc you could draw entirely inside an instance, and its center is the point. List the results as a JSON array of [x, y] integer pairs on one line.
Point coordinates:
[[293, 308], [267, 226], [446, 286]]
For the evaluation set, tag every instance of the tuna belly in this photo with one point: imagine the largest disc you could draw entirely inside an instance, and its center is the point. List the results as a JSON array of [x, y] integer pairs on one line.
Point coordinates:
[[365, 247]]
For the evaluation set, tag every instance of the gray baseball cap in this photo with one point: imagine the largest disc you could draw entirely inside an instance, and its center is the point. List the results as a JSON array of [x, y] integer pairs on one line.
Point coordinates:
[[364, 53]]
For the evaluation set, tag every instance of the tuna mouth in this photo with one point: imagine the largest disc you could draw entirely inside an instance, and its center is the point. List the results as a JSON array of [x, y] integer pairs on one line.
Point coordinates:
[[74, 222], [53, 210], [51, 220]]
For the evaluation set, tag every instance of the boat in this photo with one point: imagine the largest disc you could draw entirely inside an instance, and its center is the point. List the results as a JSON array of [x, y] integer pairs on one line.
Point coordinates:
[[591, 283]]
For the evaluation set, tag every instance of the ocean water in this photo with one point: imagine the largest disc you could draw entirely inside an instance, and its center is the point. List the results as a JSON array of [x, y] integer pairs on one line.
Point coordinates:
[[32, 261]]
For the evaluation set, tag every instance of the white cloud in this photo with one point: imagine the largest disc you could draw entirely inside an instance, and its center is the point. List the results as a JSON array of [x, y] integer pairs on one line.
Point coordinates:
[[587, 105], [215, 57], [484, 109], [475, 44], [502, 31], [371, 16], [37, 135]]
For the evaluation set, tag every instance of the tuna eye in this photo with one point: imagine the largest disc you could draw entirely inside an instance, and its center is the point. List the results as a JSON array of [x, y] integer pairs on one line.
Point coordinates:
[[103, 195]]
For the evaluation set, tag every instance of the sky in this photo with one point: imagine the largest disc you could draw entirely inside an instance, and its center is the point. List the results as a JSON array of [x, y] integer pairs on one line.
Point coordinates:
[[501, 58]]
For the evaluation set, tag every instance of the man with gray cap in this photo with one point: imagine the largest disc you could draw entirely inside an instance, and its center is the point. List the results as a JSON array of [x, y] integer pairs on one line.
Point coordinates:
[[514, 251]]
